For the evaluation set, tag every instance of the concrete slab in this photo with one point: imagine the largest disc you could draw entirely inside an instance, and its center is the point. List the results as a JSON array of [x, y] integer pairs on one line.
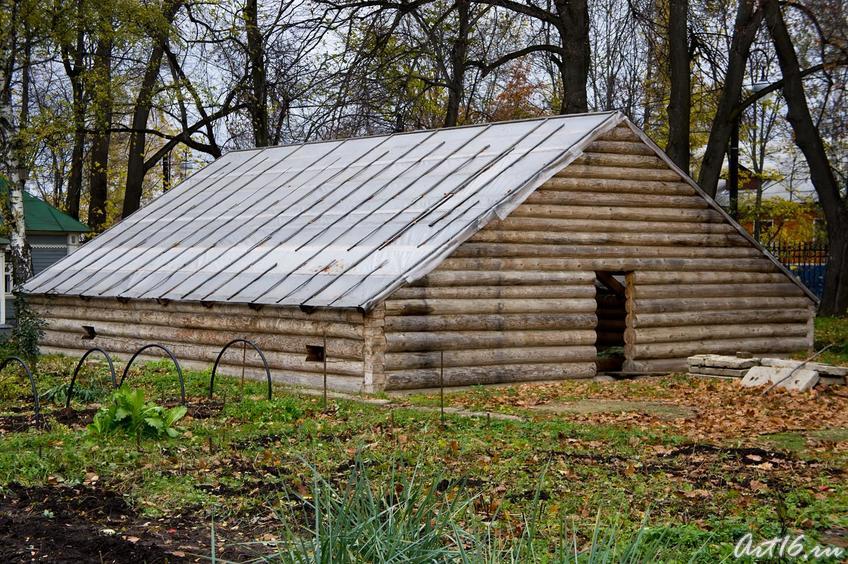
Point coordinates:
[[826, 369], [801, 380], [710, 371], [722, 361], [759, 376]]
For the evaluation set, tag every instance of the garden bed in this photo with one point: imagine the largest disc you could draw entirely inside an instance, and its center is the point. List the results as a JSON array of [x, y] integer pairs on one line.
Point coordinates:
[[687, 457]]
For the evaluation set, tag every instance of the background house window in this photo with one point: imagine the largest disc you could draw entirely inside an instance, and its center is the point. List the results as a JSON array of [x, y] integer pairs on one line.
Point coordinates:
[[73, 242]]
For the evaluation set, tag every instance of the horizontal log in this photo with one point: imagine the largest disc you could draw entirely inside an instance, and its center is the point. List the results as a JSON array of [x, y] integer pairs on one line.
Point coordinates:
[[728, 346], [204, 353], [296, 344], [621, 133], [786, 289], [463, 376], [494, 278], [289, 377], [447, 307], [489, 357], [490, 292], [589, 158], [474, 249], [615, 172], [656, 365], [467, 340], [574, 198], [734, 316], [603, 186], [620, 147], [697, 278], [234, 324], [515, 223], [476, 322], [618, 213], [713, 332], [277, 312], [610, 264], [666, 305], [498, 235]]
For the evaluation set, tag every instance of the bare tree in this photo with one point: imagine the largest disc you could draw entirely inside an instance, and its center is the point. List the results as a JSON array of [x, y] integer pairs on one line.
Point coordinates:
[[835, 299], [680, 91]]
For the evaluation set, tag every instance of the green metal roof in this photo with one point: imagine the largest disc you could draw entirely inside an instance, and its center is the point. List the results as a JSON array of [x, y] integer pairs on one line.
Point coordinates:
[[41, 216]]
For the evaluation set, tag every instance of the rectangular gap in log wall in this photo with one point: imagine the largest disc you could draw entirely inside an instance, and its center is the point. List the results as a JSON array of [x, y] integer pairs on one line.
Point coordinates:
[[611, 311]]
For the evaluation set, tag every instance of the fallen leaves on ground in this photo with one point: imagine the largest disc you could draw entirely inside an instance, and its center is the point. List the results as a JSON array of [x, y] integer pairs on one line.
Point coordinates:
[[723, 410]]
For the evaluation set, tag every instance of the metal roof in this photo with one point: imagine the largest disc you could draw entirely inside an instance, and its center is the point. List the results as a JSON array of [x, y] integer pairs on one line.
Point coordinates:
[[39, 216], [327, 224]]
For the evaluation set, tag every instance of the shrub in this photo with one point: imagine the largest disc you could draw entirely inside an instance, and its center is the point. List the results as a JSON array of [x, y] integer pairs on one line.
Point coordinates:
[[127, 412], [28, 330]]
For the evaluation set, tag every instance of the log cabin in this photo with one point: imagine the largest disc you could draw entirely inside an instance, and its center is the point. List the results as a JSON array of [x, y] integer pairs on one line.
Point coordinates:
[[540, 249]]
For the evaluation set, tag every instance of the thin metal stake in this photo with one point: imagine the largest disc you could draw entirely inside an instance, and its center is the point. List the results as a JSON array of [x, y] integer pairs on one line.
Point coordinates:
[[442, 384], [243, 362], [325, 370]]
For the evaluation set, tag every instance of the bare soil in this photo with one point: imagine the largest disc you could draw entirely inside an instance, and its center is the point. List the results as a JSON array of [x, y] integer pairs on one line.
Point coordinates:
[[88, 523]]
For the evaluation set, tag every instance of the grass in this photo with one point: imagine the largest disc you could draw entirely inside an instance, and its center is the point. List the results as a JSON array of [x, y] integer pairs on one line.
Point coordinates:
[[832, 331], [674, 488]]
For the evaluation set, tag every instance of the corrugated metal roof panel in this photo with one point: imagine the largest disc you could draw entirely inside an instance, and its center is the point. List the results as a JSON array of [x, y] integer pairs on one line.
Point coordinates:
[[338, 223]]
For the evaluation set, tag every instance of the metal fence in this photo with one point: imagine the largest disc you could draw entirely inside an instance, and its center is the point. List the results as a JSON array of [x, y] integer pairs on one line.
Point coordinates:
[[807, 260]]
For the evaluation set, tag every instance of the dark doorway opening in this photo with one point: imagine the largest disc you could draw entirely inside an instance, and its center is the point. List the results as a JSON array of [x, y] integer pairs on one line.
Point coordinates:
[[611, 309]]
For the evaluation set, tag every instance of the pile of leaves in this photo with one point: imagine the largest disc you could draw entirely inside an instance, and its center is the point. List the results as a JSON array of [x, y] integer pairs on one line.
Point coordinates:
[[128, 412], [723, 410]]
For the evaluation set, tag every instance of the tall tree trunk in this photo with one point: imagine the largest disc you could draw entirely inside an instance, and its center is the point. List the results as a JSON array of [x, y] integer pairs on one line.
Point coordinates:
[[835, 300], [748, 20], [138, 138], [459, 61], [73, 68], [136, 169], [574, 35], [258, 96], [98, 179], [11, 151], [679, 96]]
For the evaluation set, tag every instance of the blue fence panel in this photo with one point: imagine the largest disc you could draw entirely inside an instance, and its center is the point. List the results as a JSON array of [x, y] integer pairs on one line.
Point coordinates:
[[808, 261]]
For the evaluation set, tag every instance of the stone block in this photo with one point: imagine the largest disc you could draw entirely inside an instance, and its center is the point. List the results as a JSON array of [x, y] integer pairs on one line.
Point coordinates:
[[801, 380], [722, 361]]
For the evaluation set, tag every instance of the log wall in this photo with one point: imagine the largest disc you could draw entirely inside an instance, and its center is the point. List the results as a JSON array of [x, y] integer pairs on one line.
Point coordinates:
[[196, 333], [516, 301]]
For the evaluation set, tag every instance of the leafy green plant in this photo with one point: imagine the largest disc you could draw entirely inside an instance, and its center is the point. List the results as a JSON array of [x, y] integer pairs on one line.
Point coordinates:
[[59, 394], [127, 412]]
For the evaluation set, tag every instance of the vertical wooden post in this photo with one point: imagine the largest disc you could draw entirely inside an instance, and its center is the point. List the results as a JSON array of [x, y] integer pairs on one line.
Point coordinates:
[[442, 385], [325, 369], [629, 321], [243, 362]]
